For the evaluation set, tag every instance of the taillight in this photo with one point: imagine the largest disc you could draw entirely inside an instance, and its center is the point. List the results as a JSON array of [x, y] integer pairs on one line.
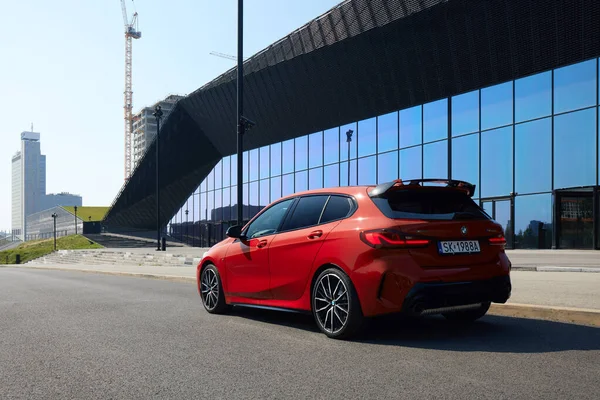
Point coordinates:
[[385, 238], [497, 240]]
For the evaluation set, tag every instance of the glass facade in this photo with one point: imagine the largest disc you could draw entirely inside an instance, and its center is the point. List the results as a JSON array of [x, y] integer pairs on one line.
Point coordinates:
[[518, 141]]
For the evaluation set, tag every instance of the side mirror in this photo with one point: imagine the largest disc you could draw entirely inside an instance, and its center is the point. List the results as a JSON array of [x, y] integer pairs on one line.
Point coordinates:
[[235, 232]]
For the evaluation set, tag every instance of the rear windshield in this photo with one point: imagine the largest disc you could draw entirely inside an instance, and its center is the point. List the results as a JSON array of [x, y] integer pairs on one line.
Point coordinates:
[[429, 204]]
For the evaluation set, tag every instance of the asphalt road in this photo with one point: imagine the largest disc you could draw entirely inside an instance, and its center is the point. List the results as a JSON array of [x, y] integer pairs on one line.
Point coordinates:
[[80, 335]]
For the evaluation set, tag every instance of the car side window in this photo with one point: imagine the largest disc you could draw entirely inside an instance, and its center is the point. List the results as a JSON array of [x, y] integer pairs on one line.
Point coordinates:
[[337, 207], [306, 213], [268, 222]]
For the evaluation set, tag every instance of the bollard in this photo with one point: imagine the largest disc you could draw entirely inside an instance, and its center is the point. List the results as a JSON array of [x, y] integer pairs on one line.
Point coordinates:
[[164, 243], [18, 259]]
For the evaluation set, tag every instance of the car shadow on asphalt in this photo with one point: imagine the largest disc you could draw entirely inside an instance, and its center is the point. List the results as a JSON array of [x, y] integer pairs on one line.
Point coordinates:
[[490, 334]]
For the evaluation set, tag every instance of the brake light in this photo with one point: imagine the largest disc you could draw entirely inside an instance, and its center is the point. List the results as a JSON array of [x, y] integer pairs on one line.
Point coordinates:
[[385, 238], [498, 241]]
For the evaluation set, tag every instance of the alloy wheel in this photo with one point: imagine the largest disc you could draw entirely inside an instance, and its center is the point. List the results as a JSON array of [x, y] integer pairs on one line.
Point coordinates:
[[209, 288], [331, 303]]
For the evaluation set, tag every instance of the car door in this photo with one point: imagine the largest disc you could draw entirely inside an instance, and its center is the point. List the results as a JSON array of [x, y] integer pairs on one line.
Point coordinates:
[[293, 250], [247, 259]]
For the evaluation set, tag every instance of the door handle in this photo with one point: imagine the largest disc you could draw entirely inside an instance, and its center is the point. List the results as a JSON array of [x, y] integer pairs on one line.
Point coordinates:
[[261, 244], [315, 234]]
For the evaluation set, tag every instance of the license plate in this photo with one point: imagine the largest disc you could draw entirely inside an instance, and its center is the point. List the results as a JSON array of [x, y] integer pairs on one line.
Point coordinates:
[[459, 247]]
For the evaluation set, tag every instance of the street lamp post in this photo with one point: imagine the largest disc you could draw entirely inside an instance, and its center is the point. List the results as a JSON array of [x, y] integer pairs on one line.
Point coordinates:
[[75, 208], [54, 215], [158, 115], [186, 225], [349, 140], [240, 111]]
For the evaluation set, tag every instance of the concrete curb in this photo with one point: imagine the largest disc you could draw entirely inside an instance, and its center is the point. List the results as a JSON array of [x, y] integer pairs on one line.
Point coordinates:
[[580, 316], [551, 268]]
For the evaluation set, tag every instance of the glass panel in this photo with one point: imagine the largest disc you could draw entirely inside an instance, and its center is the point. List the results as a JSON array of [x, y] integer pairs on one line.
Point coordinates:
[[233, 194], [218, 216], [387, 132], [533, 156], [497, 106], [301, 145], [435, 121], [411, 163], [301, 183], [435, 163], [287, 185], [264, 193], [387, 167], [575, 86], [275, 188], [533, 221], [276, 159], [197, 207], [210, 205], [315, 150], [268, 222], [203, 185], [332, 145], [306, 213], [367, 137], [288, 156], [367, 170], [465, 160], [264, 162], [337, 207], [576, 222], [234, 169], [465, 113], [411, 124], [219, 175], [227, 205], [203, 207], [496, 176], [488, 207], [533, 97], [253, 194], [210, 180], [331, 176], [315, 178], [344, 143], [574, 149], [226, 171], [245, 163], [502, 216], [245, 204], [253, 165], [344, 177]]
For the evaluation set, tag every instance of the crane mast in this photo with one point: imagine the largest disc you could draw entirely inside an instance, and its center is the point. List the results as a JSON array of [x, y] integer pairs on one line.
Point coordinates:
[[131, 32]]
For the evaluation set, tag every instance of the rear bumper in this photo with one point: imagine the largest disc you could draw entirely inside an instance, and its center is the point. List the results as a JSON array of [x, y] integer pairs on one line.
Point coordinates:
[[434, 295]]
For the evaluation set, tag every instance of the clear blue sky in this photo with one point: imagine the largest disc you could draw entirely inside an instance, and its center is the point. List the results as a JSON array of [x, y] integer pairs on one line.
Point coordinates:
[[62, 69]]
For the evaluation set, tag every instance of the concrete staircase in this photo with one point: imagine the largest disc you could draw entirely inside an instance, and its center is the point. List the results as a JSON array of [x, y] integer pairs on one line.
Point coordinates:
[[110, 240], [106, 257]]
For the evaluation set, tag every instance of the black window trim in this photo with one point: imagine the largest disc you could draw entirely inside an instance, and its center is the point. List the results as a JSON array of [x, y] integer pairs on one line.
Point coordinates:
[[292, 206], [353, 208]]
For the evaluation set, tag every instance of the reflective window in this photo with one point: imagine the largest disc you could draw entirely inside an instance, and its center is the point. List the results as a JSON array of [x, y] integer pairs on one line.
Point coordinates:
[[203, 206], [275, 188], [344, 142], [301, 183], [575, 86], [315, 178], [337, 207], [387, 132], [331, 145], [196, 208], [227, 205], [253, 160], [331, 176], [387, 167], [533, 221], [465, 113], [287, 185], [575, 149], [344, 177], [367, 137], [496, 162], [315, 150], [219, 175], [268, 222], [435, 121], [210, 180], [287, 153], [218, 213], [497, 106], [367, 170], [411, 124], [203, 185], [234, 202], [264, 162], [245, 205], [306, 213], [533, 156], [276, 159], [210, 205], [226, 171], [301, 146], [435, 160], [253, 193], [265, 193], [411, 163], [533, 97], [465, 160], [234, 169], [245, 163]]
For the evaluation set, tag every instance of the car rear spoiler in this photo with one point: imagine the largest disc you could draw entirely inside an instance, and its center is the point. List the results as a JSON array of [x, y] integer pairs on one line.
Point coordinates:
[[384, 188]]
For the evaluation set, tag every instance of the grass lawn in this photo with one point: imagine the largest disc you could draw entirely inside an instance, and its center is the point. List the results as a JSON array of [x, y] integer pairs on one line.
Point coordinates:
[[84, 212], [38, 248]]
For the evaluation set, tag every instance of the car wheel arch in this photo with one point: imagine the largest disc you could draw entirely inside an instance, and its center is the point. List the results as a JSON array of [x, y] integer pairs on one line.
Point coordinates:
[[322, 268]]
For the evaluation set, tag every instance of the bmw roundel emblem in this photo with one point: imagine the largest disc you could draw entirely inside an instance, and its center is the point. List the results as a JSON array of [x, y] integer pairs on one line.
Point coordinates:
[[463, 230]]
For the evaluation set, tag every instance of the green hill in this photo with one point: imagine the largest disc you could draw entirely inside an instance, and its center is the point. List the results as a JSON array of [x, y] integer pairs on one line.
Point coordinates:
[[83, 212]]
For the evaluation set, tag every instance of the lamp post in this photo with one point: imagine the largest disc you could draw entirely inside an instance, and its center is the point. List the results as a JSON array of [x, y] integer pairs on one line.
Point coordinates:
[[158, 115], [54, 215], [240, 111], [349, 140], [75, 208], [186, 225]]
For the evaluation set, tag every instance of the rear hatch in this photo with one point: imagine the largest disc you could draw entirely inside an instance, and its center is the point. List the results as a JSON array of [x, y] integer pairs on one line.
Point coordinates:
[[457, 230]]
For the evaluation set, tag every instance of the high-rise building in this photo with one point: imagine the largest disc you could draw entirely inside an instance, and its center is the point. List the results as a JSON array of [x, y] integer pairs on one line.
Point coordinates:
[[144, 126], [28, 181]]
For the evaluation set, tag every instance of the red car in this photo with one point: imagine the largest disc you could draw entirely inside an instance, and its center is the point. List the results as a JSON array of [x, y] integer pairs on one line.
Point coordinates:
[[418, 247]]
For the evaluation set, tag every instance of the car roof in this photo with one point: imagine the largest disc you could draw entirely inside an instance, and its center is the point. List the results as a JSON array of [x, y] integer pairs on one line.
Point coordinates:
[[344, 190]]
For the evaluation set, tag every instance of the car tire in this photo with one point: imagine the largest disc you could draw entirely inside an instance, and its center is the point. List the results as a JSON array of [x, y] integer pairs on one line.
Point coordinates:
[[468, 315], [211, 291], [335, 305]]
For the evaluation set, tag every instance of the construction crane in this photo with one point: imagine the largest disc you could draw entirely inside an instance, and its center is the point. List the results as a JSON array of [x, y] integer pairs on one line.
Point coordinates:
[[214, 53], [131, 32]]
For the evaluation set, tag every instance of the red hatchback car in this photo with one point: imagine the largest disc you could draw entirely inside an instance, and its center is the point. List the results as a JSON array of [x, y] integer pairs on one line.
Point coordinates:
[[418, 247]]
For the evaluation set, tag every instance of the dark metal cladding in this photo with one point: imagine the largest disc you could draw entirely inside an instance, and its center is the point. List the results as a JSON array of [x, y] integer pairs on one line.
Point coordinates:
[[360, 59]]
